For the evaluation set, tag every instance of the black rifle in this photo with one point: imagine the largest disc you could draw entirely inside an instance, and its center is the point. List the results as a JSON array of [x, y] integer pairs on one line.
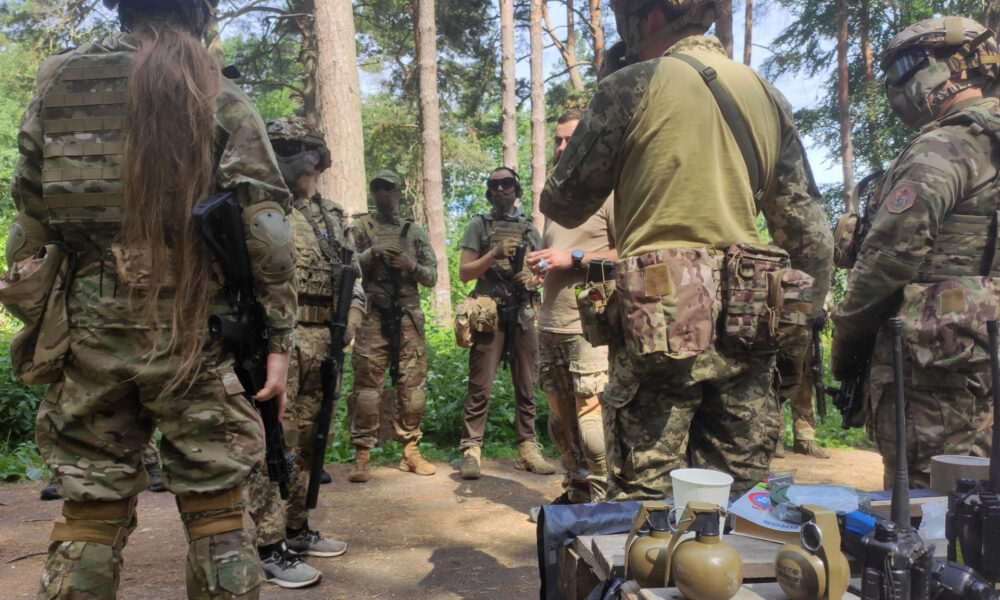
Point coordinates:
[[849, 397], [331, 371], [819, 323], [392, 327], [510, 306], [220, 222]]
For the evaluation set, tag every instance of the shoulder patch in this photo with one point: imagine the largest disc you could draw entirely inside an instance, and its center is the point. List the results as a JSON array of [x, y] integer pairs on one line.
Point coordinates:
[[901, 198]]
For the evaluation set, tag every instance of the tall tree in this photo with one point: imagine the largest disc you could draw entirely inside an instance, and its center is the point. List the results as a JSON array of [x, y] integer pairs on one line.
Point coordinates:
[[430, 127], [844, 103], [567, 46], [340, 101], [724, 24], [748, 32], [537, 114], [508, 93], [596, 25], [991, 14]]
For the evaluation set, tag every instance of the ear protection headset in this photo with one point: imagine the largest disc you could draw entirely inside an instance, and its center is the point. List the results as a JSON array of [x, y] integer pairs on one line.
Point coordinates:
[[517, 179]]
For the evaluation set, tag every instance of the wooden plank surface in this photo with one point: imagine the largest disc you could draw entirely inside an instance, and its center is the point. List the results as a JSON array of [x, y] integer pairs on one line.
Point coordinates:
[[754, 591]]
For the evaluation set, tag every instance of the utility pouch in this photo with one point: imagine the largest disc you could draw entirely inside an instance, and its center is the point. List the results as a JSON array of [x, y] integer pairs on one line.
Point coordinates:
[[597, 303], [845, 246], [666, 300], [474, 315], [34, 290], [790, 300]]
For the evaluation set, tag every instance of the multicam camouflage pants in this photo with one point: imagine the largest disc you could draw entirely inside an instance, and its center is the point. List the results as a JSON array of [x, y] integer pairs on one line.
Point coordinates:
[[946, 413], [571, 373], [800, 398], [711, 411], [92, 429], [269, 512], [370, 360]]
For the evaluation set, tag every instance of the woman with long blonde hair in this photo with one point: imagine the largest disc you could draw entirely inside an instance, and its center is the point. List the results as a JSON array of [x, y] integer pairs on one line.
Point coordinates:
[[124, 137]]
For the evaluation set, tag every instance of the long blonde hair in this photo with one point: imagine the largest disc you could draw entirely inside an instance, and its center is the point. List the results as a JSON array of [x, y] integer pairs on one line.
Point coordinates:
[[172, 88]]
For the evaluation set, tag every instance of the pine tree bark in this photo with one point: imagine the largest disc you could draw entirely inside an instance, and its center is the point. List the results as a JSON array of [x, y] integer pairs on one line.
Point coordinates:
[[340, 105], [430, 127], [843, 103], [574, 71], [991, 14], [724, 24], [597, 34], [537, 114], [867, 56], [748, 32], [304, 20], [508, 104]]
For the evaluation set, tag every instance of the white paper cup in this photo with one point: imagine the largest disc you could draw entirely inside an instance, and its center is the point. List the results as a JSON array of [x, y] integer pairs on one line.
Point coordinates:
[[701, 485]]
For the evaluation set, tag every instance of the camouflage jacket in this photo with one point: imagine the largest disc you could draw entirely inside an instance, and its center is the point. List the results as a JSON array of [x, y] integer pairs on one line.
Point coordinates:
[[245, 161], [318, 231], [934, 207], [377, 282], [654, 136]]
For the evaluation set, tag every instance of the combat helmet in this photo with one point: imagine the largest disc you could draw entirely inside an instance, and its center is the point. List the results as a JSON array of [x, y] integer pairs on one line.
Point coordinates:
[[196, 12], [920, 60], [629, 14], [299, 147]]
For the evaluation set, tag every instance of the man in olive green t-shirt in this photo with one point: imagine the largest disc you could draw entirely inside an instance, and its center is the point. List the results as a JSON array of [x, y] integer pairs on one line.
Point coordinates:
[[571, 371]]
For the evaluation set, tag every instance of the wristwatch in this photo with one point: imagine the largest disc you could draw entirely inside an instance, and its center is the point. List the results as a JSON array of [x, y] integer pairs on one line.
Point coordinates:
[[577, 259]]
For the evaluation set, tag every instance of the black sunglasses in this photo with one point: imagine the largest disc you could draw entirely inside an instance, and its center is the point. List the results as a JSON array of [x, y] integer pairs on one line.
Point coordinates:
[[381, 184], [905, 66], [496, 184]]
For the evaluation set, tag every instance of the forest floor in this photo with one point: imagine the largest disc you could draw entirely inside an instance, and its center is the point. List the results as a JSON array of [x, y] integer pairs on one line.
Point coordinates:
[[438, 537]]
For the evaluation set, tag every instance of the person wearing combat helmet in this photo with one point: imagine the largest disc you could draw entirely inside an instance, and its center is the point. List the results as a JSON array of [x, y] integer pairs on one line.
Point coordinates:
[[283, 532], [111, 176], [396, 256], [489, 248], [667, 141], [930, 256]]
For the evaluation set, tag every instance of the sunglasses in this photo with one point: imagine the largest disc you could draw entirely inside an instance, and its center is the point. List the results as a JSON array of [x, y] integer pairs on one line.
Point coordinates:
[[905, 66], [380, 185], [503, 183]]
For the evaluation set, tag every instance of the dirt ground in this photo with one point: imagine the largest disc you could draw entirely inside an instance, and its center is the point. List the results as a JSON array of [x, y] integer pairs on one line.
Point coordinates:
[[438, 537]]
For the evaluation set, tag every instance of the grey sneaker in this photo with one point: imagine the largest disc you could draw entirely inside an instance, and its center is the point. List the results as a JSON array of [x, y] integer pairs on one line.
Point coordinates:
[[155, 478], [308, 542], [285, 569]]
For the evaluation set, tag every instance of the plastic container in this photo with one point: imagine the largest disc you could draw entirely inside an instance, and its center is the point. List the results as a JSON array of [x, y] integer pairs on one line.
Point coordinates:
[[704, 485]]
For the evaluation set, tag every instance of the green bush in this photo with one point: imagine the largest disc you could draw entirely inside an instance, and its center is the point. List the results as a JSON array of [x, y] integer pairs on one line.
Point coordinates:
[[18, 402]]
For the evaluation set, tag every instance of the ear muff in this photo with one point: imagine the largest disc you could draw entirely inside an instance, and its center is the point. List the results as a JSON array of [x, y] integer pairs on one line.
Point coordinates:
[[517, 179]]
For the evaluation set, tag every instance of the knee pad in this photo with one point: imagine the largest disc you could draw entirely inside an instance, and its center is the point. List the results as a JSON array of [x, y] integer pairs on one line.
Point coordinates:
[[107, 523], [592, 437], [366, 407], [26, 236], [413, 407], [269, 242], [210, 514]]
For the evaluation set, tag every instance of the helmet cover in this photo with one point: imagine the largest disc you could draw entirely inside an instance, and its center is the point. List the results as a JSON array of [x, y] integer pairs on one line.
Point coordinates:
[[299, 147], [195, 12], [629, 15]]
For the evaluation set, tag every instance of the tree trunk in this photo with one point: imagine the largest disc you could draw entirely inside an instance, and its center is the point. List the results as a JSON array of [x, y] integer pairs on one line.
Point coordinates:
[[597, 33], [213, 41], [430, 128], [537, 114], [748, 33], [724, 24], [304, 21], [843, 104], [508, 99], [866, 44], [340, 104], [991, 14], [574, 71]]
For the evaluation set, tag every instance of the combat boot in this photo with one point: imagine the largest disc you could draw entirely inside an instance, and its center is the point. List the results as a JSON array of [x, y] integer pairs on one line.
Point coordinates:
[[470, 465], [810, 448], [50, 491], [529, 458], [413, 462], [779, 450], [155, 478], [359, 472]]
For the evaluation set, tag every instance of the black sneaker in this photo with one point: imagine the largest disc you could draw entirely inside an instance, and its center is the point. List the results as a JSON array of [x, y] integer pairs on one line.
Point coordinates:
[[310, 542], [285, 569], [155, 478], [563, 499], [50, 491], [325, 478]]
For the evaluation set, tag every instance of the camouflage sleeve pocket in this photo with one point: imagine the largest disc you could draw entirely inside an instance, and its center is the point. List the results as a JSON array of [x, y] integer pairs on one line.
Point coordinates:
[[667, 298]]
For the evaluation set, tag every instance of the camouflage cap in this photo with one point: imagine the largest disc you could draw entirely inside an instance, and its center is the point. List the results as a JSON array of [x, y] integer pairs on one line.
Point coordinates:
[[629, 14], [294, 128], [387, 175]]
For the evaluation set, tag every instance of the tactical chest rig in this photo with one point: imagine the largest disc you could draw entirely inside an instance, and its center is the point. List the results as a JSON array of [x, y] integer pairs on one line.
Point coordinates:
[[378, 276], [499, 274], [318, 260]]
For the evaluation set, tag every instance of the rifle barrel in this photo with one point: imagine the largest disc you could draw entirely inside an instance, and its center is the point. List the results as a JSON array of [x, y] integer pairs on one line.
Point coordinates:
[[900, 508], [991, 329]]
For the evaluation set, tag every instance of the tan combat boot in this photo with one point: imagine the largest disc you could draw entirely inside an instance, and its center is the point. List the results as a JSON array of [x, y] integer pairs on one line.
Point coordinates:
[[470, 465], [413, 462], [810, 448], [359, 472], [779, 450], [529, 458]]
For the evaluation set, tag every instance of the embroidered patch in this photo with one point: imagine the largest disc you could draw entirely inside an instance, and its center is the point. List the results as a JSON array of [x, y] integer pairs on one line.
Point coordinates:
[[901, 198]]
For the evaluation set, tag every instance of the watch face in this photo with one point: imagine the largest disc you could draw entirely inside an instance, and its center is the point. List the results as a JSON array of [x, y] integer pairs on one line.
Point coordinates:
[[577, 256]]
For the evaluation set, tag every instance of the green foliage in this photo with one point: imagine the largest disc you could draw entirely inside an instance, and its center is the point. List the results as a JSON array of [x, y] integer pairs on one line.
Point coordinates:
[[18, 402], [21, 462]]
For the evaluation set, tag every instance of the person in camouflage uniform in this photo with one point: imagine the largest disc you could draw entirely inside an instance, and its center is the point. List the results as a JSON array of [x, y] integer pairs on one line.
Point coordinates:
[[490, 242], [798, 392], [283, 532], [396, 257], [930, 255], [571, 371], [655, 135], [81, 180]]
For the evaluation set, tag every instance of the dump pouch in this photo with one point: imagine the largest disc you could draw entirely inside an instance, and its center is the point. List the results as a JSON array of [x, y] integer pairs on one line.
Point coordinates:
[[667, 303], [845, 246], [34, 291], [475, 314], [790, 301], [599, 312]]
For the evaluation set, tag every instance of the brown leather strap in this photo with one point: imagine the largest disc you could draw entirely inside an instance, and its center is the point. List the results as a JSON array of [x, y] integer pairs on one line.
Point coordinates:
[[90, 531], [226, 499], [203, 528], [100, 511]]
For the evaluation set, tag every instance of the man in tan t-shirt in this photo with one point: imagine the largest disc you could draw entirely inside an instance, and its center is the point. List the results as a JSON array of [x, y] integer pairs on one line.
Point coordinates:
[[571, 371]]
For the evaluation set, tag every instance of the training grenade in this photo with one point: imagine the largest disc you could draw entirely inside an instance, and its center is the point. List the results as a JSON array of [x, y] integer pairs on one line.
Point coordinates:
[[647, 544], [815, 569], [703, 568]]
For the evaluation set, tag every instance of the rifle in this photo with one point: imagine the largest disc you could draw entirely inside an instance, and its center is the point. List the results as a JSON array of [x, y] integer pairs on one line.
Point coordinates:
[[392, 327], [849, 397], [331, 369], [817, 365], [511, 306], [219, 221]]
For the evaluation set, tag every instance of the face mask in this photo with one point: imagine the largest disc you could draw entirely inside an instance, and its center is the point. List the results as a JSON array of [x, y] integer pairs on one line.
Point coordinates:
[[502, 202], [386, 203], [909, 99]]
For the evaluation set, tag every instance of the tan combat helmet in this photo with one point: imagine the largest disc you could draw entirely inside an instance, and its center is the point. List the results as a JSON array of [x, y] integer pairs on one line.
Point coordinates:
[[299, 147], [921, 59], [629, 14]]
